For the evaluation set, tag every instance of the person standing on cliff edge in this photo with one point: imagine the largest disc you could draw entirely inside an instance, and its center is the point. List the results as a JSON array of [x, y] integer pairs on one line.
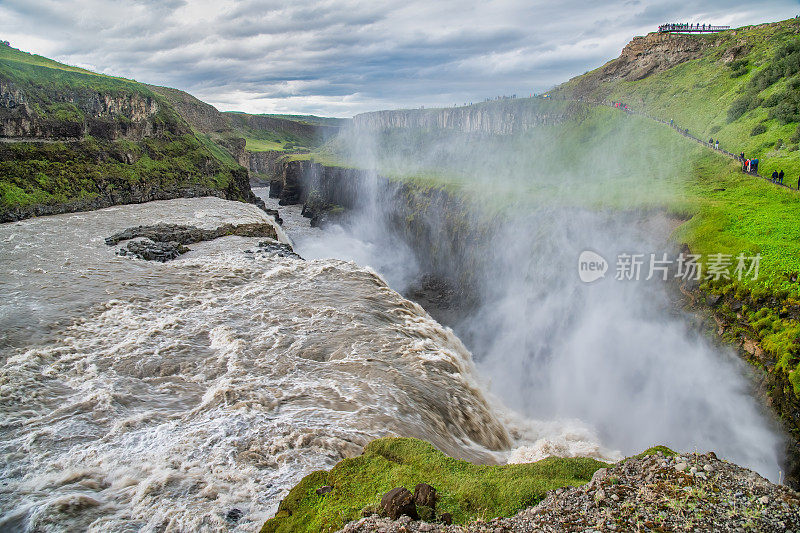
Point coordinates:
[[780, 177]]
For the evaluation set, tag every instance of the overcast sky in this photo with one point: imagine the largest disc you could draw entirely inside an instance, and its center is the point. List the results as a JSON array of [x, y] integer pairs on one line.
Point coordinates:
[[342, 57]]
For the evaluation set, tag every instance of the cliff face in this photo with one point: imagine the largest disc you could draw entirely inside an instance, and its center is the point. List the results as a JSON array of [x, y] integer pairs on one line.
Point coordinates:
[[647, 55], [264, 165], [73, 140], [296, 182], [207, 120], [76, 114], [439, 226], [654, 52], [200, 115], [502, 117]]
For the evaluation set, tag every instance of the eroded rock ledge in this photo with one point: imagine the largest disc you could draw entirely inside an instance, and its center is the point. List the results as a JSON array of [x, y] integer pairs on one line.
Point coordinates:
[[164, 242]]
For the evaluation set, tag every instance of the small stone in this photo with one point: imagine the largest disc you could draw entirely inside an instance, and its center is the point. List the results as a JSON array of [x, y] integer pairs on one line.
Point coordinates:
[[702, 476], [764, 500], [399, 502], [324, 490], [425, 495], [693, 470], [708, 468], [615, 497], [680, 467]]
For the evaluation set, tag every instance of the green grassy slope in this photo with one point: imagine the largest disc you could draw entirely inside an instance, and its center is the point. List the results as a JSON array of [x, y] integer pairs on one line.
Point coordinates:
[[74, 139], [744, 91], [287, 133], [466, 491]]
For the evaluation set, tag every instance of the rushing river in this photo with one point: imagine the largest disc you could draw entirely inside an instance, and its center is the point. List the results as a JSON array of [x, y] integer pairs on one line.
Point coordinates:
[[618, 355], [145, 396]]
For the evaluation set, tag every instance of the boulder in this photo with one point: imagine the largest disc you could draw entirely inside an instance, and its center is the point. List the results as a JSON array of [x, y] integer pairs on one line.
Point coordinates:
[[153, 251], [398, 502], [425, 495]]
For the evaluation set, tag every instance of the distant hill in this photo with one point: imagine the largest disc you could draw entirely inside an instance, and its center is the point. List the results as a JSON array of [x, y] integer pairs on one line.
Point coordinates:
[[72, 139], [307, 119], [739, 86], [290, 133]]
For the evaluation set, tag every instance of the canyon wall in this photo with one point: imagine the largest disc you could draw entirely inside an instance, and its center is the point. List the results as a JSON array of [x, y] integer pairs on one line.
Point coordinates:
[[76, 114], [500, 117], [72, 140]]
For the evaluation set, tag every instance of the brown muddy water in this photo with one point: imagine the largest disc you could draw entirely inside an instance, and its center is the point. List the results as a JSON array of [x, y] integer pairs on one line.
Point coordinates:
[[148, 396]]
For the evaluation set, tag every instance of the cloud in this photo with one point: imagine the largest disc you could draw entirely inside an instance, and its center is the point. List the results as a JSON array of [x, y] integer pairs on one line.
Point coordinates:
[[341, 57]]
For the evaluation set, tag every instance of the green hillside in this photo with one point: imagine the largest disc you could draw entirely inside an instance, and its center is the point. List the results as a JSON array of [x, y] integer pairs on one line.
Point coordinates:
[[71, 139], [284, 133], [467, 491], [744, 90]]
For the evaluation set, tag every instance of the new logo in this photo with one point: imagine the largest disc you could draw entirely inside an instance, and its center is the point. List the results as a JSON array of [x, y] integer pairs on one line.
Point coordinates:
[[591, 266]]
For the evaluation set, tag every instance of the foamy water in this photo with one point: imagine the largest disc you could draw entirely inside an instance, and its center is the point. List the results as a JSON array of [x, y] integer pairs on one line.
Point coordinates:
[[144, 396]]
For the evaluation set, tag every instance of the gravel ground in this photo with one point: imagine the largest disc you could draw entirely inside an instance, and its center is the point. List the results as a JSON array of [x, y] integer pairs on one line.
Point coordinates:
[[656, 493]]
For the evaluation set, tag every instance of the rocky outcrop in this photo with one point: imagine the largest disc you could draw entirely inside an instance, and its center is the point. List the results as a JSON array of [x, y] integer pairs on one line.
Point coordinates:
[[264, 165], [502, 117], [201, 116], [644, 56], [77, 114], [658, 492], [165, 242], [191, 234], [654, 52], [153, 251]]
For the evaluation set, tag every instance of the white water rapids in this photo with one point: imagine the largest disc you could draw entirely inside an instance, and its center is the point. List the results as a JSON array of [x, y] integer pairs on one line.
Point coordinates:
[[140, 396]]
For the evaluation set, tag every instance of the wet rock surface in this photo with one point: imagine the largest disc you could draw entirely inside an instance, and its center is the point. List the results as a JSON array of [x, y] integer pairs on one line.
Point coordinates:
[[153, 251], [399, 502], [165, 242], [690, 492], [191, 234], [274, 248]]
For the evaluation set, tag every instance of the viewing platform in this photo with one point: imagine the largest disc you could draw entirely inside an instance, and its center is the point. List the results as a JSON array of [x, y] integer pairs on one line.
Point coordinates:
[[691, 28]]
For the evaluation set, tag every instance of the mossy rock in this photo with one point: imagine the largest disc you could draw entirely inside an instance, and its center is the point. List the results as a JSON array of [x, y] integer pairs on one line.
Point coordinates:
[[466, 491]]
